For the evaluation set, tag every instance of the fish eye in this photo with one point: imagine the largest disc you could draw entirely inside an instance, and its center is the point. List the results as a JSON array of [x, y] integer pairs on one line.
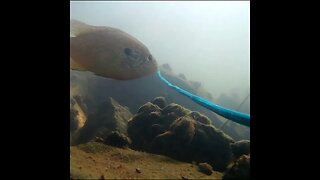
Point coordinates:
[[150, 57], [128, 51]]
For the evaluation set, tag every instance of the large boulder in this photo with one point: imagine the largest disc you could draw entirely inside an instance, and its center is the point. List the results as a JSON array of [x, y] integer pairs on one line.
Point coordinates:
[[110, 116], [240, 148], [240, 169], [150, 121], [159, 101], [180, 133]]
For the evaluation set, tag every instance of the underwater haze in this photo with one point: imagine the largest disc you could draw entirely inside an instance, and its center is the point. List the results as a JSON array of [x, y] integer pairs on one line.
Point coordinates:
[[127, 122], [206, 41]]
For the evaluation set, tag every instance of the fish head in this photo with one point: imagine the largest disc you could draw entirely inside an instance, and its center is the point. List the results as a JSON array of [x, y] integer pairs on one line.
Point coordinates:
[[109, 52], [138, 61]]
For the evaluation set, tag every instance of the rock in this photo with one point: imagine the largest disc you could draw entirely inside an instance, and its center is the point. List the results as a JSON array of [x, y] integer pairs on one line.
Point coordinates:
[[152, 121], [195, 84], [167, 67], [102, 177], [148, 107], [159, 101], [78, 99], [117, 139], [205, 168], [110, 116], [78, 115], [139, 127], [184, 178], [239, 169], [240, 148], [98, 139], [157, 129], [200, 118], [72, 102], [175, 109], [184, 129], [181, 134], [74, 123], [182, 76], [190, 140], [138, 170]]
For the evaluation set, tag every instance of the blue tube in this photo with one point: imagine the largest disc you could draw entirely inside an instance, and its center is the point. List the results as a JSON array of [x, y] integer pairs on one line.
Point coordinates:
[[235, 116]]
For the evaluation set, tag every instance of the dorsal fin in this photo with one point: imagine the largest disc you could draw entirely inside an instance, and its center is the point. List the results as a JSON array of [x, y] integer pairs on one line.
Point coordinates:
[[78, 27]]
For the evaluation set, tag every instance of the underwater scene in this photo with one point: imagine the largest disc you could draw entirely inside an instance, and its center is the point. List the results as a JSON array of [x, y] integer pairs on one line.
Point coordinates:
[[160, 90]]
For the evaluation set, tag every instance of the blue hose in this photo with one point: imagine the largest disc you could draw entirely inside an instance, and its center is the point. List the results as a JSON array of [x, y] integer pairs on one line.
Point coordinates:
[[235, 116]]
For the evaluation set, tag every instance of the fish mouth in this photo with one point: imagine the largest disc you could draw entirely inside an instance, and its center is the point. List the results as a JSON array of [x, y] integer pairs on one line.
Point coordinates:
[[135, 62]]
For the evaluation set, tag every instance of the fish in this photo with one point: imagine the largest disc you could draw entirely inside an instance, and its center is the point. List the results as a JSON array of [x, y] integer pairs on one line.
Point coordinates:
[[109, 52]]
